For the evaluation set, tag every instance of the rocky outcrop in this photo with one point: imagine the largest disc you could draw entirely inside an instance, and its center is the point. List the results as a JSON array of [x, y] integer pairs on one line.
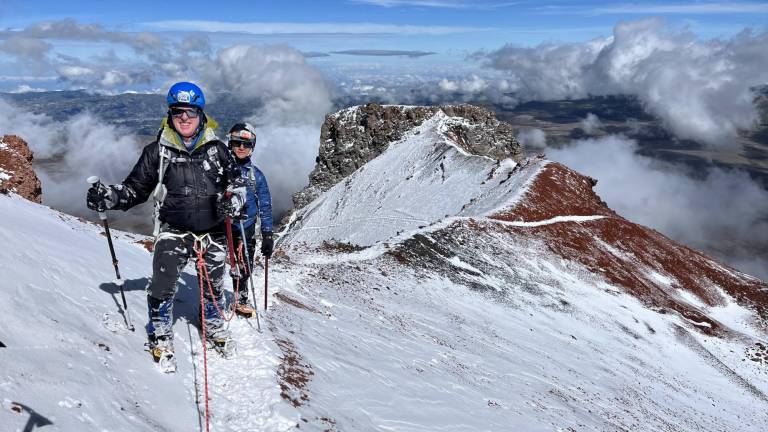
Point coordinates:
[[352, 137], [16, 173]]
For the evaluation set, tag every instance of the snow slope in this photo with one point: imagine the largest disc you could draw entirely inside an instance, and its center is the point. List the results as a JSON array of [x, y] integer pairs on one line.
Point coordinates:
[[80, 371]]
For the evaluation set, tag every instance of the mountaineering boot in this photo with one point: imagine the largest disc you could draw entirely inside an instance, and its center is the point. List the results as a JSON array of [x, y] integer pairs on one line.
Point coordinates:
[[221, 341], [226, 347], [245, 310], [162, 352]]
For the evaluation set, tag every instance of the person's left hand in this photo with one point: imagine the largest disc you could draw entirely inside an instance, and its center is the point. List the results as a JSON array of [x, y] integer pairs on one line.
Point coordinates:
[[267, 244]]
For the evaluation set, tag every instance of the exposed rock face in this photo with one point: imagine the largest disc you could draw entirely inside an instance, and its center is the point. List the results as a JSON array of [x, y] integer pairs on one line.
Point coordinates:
[[352, 137], [16, 173]]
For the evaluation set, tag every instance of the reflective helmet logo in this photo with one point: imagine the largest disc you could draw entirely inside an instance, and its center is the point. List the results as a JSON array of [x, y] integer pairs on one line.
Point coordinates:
[[185, 96]]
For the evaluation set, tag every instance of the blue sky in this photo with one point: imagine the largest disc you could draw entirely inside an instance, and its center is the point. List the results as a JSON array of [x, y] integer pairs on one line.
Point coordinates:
[[451, 29], [497, 22]]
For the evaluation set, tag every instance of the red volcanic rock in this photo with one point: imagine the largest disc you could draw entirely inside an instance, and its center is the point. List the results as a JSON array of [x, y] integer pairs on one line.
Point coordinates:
[[642, 261], [16, 173]]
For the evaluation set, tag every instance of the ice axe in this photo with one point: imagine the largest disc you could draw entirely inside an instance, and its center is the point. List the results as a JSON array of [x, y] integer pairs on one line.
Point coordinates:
[[94, 180]]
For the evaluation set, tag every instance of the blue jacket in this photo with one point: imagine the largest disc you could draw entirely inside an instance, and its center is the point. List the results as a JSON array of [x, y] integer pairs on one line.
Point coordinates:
[[259, 201]]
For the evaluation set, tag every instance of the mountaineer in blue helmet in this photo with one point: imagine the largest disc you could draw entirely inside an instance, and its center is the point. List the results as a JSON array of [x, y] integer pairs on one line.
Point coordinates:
[[242, 139], [195, 183]]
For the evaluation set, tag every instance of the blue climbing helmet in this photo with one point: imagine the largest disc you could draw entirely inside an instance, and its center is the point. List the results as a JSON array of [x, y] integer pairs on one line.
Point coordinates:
[[185, 94]]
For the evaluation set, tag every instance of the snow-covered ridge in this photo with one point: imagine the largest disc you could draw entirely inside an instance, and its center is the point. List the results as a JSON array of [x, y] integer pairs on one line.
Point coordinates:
[[422, 178], [354, 136]]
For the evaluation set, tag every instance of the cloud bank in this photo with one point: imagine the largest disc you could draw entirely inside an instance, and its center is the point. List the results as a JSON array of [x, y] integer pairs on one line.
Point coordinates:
[[591, 124], [532, 139], [701, 90], [292, 28], [81, 147], [289, 98]]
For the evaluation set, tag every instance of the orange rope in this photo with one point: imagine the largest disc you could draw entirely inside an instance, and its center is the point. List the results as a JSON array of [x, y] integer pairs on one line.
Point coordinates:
[[203, 279], [213, 296], [200, 271]]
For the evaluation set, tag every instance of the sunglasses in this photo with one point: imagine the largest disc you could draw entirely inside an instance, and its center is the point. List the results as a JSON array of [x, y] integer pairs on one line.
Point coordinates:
[[191, 113], [237, 143]]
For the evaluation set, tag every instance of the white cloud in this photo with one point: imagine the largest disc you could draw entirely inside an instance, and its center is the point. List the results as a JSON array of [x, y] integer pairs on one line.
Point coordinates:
[[532, 138], [472, 84], [290, 99], [723, 214], [278, 76], [24, 88], [75, 72], [84, 145], [27, 78], [700, 89], [549, 71], [272, 28], [448, 85], [682, 8], [25, 47], [114, 78], [591, 124]]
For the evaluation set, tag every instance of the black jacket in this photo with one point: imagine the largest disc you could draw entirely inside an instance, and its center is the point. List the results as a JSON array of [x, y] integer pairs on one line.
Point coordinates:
[[193, 180]]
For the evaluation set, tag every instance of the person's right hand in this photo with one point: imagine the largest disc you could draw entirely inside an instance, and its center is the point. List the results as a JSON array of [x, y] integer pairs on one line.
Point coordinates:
[[101, 198]]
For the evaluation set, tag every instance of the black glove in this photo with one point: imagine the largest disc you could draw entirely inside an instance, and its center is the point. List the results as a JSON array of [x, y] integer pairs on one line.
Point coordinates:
[[267, 244], [101, 198], [233, 206]]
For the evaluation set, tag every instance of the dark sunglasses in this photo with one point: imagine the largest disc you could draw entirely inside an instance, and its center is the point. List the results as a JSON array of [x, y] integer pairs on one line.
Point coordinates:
[[191, 113], [246, 144]]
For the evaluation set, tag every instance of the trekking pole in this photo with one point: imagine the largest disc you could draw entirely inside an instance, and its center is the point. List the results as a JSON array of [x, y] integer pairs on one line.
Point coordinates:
[[94, 180], [249, 266], [266, 280]]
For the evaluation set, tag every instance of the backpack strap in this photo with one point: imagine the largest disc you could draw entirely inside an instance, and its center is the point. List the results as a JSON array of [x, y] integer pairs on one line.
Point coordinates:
[[160, 190]]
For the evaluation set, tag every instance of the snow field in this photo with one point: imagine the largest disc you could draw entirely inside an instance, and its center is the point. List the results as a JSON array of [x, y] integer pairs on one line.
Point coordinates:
[[419, 352], [69, 357]]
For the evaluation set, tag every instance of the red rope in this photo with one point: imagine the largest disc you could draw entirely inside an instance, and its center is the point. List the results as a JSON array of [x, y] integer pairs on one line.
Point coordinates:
[[215, 300], [200, 271], [242, 267]]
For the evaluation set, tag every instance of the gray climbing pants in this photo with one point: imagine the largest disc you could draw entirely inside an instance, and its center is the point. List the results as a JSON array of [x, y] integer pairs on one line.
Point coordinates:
[[172, 251]]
